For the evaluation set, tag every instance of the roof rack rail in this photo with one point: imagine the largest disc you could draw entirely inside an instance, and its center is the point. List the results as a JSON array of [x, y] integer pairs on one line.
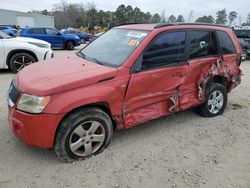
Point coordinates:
[[160, 25], [132, 23]]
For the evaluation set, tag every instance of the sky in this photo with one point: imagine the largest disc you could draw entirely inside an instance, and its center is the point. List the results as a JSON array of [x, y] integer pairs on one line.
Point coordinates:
[[154, 6]]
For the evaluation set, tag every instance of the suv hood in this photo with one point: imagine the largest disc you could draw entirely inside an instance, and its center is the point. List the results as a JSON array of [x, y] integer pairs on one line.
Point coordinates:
[[27, 39], [61, 74]]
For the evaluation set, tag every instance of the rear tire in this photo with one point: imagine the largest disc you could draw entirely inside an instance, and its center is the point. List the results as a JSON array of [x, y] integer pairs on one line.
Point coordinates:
[[82, 41], [244, 55], [216, 100], [84, 133], [20, 60], [70, 45]]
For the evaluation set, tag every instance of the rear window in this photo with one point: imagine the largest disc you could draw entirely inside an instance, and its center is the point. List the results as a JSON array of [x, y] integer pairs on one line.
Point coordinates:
[[226, 44], [66, 32], [36, 31]]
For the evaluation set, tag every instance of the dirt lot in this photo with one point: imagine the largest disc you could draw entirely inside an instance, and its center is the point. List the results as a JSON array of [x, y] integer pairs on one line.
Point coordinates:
[[183, 150]]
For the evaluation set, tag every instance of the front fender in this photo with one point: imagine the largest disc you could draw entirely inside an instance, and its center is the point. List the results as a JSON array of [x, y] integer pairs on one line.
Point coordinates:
[[111, 92]]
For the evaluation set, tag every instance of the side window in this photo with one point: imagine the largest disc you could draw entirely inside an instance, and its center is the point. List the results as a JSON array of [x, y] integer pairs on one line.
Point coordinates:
[[166, 49], [240, 33], [202, 44], [248, 34], [51, 31], [226, 44], [36, 31]]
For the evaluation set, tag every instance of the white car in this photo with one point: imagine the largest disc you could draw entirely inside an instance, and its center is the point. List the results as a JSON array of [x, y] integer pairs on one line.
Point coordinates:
[[16, 53]]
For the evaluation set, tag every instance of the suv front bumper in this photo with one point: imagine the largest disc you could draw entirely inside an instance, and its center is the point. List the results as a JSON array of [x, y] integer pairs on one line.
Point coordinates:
[[37, 130]]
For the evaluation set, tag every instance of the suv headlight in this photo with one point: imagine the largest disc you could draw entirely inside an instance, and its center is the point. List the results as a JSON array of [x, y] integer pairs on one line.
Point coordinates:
[[32, 104], [40, 45]]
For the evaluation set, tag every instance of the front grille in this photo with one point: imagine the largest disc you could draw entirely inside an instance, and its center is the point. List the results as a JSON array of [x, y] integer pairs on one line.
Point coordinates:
[[13, 93]]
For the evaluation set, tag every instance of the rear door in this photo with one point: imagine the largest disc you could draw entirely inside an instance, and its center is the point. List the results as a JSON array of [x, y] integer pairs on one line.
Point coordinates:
[[37, 33], [153, 89], [54, 37], [230, 57], [203, 54]]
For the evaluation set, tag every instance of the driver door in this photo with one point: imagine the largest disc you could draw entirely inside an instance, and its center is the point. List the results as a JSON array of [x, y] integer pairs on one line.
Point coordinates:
[[155, 80]]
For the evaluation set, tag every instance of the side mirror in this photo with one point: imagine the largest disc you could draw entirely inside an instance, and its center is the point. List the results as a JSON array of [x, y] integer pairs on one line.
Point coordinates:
[[59, 34]]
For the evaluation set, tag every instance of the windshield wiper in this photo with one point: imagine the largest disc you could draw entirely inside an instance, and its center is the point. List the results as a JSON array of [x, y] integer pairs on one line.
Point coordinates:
[[92, 59], [98, 61], [80, 54]]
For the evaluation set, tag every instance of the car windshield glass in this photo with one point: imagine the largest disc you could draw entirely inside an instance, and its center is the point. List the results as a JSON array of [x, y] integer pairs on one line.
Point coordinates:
[[4, 36], [113, 47]]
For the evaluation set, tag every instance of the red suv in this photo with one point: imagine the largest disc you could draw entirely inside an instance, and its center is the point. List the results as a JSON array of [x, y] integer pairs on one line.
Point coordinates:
[[128, 76]]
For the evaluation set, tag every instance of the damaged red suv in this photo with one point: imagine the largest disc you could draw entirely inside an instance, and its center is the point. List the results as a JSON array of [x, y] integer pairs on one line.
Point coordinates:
[[128, 76]]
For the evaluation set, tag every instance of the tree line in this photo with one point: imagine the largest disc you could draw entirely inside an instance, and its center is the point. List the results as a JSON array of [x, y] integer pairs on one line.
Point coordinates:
[[85, 15]]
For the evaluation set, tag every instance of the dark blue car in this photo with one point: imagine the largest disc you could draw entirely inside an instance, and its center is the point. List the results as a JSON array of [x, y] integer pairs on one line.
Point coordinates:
[[8, 30], [82, 35], [56, 38]]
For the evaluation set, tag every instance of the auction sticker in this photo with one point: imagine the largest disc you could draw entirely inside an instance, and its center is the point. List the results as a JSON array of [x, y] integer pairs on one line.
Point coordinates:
[[136, 34]]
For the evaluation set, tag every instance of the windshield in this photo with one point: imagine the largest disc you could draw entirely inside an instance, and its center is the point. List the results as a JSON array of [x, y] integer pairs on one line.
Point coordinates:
[[4, 36], [114, 47]]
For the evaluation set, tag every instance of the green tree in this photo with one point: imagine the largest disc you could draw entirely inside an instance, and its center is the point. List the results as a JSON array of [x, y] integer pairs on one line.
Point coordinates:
[[148, 17], [137, 15], [221, 17], [172, 19], [180, 18], [205, 19], [156, 18], [45, 12], [120, 14], [232, 16]]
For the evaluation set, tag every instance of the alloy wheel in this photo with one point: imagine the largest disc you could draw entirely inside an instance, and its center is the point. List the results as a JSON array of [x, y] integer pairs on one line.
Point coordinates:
[[22, 61], [87, 138], [215, 102]]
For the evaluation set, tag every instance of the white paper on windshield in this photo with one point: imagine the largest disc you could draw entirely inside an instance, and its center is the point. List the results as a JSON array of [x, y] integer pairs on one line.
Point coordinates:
[[136, 34]]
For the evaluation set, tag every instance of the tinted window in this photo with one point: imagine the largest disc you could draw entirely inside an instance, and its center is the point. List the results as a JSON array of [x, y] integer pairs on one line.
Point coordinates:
[[166, 49], [66, 32], [248, 34], [202, 44], [226, 43], [36, 31], [2, 28], [240, 33], [51, 31], [69, 32]]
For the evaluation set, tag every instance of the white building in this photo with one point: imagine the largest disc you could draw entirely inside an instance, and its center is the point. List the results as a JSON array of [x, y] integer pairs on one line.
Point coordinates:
[[22, 19]]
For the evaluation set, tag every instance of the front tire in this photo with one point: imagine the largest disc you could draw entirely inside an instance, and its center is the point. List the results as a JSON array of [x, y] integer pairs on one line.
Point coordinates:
[[20, 60], [84, 133], [216, 101]]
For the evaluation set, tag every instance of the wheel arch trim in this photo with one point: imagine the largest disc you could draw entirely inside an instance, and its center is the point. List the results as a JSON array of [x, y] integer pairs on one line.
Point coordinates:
[[12, 52]]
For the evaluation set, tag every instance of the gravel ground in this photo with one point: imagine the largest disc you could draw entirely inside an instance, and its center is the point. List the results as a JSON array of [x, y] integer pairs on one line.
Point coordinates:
[[183, 150]]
